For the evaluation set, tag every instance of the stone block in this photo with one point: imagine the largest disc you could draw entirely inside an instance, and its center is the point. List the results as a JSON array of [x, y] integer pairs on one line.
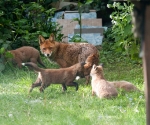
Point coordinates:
[[92, 38]]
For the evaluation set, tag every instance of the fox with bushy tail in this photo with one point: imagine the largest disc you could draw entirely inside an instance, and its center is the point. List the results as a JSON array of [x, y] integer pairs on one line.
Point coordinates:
[[64, 76]]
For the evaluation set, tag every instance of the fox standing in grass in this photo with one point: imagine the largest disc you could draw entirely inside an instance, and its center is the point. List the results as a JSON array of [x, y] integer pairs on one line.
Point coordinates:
[[26, 54], [66, 54], [64, 76]]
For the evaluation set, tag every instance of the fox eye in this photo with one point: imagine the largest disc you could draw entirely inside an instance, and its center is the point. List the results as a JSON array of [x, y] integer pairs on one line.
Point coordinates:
[[50, 48], [44, 48]]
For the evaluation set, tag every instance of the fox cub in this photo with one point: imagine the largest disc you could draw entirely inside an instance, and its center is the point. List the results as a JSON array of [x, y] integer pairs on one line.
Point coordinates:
[[100, 86], [64, 76], [26, 54], [107, 89]]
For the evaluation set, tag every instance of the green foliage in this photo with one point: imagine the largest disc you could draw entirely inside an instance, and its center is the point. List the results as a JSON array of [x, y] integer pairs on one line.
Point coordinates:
[[37, 21], [121, 31], [22, 21], [99, 4], [77, 38], [94, 4], [4, 56]]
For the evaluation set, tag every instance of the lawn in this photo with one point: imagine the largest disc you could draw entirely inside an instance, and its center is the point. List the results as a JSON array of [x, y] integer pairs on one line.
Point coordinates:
[[54, 107]]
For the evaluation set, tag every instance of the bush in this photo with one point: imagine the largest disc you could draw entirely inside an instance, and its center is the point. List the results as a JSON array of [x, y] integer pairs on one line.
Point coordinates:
[[121, 31], [21, 24]]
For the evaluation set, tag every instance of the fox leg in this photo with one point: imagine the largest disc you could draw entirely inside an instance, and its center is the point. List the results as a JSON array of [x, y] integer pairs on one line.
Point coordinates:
[[87, 79], [19, 65], [37, 83], [73, 84], [93, 93], [76, 85], [43, 86], [64, 88], [18, 61]]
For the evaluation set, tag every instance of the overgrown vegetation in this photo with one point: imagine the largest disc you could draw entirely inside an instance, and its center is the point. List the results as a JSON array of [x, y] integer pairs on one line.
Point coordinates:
[[21, 23], [120, 34]]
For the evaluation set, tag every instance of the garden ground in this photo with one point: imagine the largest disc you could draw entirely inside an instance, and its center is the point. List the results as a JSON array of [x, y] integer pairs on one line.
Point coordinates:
[[54, 107]]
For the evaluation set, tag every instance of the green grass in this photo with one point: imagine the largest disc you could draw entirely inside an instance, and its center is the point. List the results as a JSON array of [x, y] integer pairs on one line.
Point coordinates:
[[54, 107]]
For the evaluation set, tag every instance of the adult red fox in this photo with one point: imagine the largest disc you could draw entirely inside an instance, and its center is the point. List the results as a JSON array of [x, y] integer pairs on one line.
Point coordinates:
[[107, 89], [64, 76], [65, 54], [26, 54]]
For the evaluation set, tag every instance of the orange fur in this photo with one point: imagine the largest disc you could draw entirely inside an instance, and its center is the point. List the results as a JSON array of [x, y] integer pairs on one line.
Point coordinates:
[[66, 54], [26, 54], [64, 76], [91, 59]]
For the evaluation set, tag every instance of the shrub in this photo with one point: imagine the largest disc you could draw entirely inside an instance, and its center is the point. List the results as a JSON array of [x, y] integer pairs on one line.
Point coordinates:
[[21, 23], [121, 31]]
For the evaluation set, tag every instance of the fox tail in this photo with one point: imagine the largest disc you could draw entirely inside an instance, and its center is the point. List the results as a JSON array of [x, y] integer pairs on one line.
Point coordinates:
[[33, 66], [127, 86]]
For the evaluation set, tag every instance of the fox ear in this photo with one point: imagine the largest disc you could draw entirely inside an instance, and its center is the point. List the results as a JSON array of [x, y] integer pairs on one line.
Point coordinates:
[[41, 39], [51, 37], [94, 66]]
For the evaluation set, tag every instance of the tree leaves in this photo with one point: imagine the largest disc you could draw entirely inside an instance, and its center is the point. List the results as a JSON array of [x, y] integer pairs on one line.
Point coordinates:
[[2, 66], [21, 22], [122, 28]]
